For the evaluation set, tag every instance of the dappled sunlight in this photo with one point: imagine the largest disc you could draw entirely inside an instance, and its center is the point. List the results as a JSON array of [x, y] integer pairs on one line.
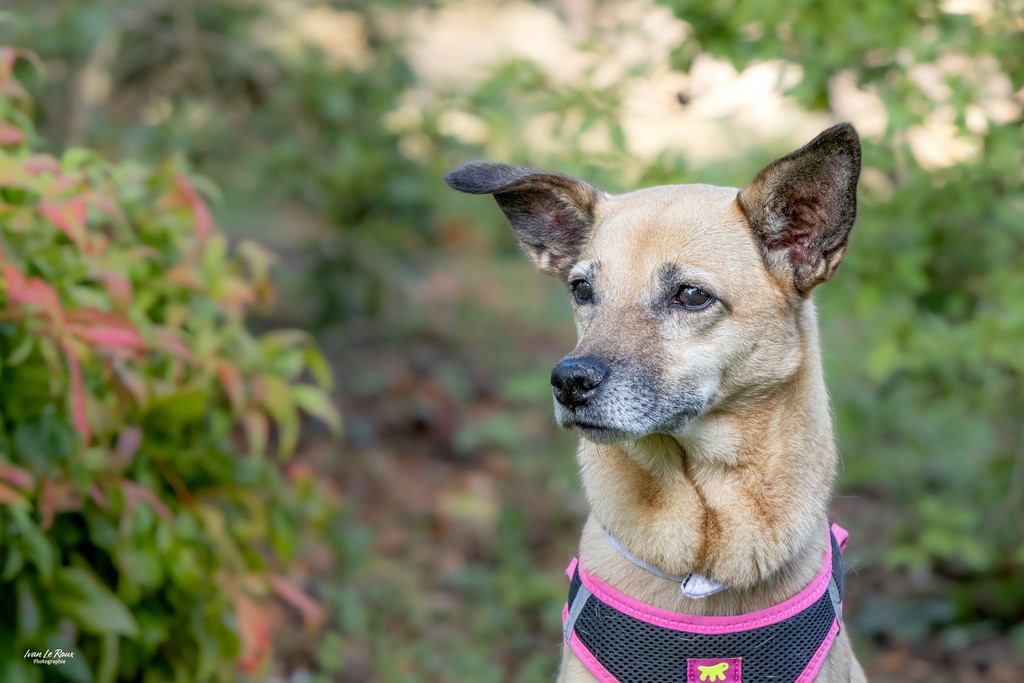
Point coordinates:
[[340, 35], [724, 112]]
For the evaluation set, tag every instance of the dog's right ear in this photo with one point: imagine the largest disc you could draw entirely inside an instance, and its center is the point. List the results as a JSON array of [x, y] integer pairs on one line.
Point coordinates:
[[551, 214], [802, 206]]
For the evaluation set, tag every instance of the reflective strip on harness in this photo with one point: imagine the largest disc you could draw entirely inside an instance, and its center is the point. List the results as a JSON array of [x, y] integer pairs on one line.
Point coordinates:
[[619, 639], [575, 607]]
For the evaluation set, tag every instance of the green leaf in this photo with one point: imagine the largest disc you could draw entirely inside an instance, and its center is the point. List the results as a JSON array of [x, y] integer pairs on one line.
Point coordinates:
[[282, 535], [280, 404], [214, 255], [21, 352], [181, 407], [277, 341], [318, 404], [256, 257], [256, 427], [28, 608], [318, 367], [15, 561], [79, 594], [141, 565], [289, 363], [39, 549], [110, 650], [47, 439]]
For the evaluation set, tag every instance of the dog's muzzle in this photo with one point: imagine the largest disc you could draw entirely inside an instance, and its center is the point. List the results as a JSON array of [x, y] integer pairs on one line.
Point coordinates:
[[575, 380]]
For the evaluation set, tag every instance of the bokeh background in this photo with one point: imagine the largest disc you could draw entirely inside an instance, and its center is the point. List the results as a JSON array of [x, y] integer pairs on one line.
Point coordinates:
[[321, 130]]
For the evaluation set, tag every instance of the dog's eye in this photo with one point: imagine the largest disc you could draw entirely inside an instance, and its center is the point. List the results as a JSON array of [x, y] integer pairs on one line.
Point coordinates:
[[582, 291], [693, 298]]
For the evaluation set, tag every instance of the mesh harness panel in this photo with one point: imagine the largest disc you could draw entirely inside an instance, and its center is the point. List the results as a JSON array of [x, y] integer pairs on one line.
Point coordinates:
[[635, 651]]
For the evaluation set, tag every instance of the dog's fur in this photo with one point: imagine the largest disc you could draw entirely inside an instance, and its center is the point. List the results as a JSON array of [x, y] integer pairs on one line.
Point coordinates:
[[708, 447]]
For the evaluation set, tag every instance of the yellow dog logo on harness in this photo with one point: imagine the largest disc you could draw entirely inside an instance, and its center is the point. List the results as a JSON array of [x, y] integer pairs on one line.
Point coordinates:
[[713, 673]]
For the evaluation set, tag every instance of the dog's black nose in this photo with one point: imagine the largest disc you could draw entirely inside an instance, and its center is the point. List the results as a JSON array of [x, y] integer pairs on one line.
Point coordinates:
[[576, 380]]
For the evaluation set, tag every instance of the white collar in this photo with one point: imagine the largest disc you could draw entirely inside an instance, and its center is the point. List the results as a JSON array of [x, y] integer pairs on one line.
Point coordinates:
[[695, 586]]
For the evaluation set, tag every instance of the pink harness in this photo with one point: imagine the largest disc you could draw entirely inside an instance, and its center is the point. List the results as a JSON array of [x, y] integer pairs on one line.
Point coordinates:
[[622, 640]]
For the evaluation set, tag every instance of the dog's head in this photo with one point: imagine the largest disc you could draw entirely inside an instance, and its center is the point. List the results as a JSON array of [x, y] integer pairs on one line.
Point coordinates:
[[686, 297]]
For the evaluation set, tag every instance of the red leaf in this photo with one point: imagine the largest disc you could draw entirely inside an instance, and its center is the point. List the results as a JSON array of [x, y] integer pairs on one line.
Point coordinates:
[[97, 496], [11, 497], [185, 275], [9, 135], [192, 198], [57, 496], [298, 471], [103, 202], [234, 386], [166, 339], [254, 628], [111, 337], [9, 55], [77, 394], [42, 163], [128, 442], [135, 494], [33, 291], [15, 475], [313, 614], [119, 289], [90, 315], [8, 84], [104, 329], [69, 217]]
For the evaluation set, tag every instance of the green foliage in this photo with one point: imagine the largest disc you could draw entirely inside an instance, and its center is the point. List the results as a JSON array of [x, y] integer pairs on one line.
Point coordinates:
[[145, 521], [928, 305], [271, 120]]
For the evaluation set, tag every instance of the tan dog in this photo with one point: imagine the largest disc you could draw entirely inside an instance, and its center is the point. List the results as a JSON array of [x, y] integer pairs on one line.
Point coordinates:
[[707, 440]]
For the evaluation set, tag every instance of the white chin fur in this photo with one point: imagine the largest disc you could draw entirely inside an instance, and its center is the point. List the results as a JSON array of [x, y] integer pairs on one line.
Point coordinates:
[[611, 433]]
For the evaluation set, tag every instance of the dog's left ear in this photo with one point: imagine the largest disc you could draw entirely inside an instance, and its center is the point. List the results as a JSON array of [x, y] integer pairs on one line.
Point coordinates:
[[802, 207], [552, 214]]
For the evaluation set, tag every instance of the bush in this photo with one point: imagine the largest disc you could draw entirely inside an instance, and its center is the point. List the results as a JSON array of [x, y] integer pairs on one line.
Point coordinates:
[[144, 523]]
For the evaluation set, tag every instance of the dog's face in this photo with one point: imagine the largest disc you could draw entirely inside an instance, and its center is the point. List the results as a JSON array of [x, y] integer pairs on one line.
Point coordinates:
[[686, 297], [671, 299]]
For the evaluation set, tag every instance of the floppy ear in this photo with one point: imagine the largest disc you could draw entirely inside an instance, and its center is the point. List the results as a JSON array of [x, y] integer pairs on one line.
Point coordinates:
[[802, 206], [551, 214]]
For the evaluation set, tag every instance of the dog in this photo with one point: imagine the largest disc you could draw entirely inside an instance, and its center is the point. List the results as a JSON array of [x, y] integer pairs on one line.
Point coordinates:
[[707, 451]]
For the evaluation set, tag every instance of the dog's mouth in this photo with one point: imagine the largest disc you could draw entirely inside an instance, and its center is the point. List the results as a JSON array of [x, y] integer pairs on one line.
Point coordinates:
[[598, 433], [603, 432]]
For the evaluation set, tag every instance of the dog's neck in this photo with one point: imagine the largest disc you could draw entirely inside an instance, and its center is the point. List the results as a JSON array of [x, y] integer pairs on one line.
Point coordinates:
[[741, 498]]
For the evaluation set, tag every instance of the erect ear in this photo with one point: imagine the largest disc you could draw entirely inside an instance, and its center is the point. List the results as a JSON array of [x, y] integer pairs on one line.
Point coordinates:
[[551, 214], [802, 206]]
